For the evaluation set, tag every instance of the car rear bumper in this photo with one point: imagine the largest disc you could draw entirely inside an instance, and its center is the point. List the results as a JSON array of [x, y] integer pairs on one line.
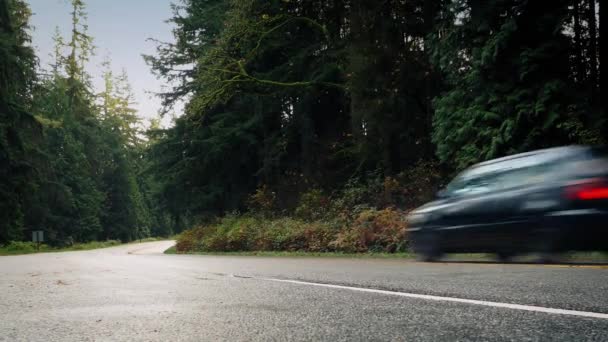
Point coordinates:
[[579, 213], [581, 229]]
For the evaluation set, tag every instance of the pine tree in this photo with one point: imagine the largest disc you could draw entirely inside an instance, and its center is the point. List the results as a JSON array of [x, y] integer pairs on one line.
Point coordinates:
[[125, 214], [505, 64], [19, 131]]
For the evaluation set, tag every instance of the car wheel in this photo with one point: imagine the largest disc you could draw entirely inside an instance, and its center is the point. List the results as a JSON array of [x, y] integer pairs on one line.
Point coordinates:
[[504, 256], [549, 245], [427, 247], [548, 258]]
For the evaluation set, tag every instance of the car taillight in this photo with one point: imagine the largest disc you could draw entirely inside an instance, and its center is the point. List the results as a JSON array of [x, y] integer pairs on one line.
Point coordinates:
[[589, 189], [590, 194]]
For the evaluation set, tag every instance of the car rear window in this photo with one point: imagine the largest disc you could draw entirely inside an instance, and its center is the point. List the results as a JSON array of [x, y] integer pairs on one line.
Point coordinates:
[[599, 152]]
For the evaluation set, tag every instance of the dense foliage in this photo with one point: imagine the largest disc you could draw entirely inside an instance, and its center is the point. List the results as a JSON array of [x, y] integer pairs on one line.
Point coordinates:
[[302, 115], [284, 97], [69, 158], [372, 231], [18, 127]]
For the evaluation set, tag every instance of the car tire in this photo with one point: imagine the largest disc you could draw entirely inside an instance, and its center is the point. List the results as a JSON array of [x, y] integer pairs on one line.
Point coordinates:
[[427, 247], [549, 243], [548, 258], [504, 256]]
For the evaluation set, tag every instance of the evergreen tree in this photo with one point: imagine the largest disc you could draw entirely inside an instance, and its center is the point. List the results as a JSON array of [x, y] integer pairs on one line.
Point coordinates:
[[19, 130], [125, 214], [91, 191], [507, 80]]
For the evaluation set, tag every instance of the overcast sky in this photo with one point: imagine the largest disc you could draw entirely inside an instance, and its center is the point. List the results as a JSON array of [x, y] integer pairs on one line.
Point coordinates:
[[120, 29]]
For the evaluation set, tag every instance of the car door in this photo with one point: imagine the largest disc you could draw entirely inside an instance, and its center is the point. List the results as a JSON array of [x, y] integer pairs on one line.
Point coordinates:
[[526, 193], [513, 188], [468, 218]]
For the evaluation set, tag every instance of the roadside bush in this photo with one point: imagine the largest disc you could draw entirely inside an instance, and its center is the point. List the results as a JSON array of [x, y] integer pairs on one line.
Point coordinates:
[[374, 231], [418, 184], [407, 190], [371, 231], [288, 234], [262, 201], [245, 233], [313, 205], [22, 247], [18, 247], [190, 240], [361, 217], [233, 233], [94, 245], [148, 239]]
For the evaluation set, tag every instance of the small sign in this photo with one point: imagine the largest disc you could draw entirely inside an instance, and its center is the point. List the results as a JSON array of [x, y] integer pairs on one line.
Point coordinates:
[[38, 236]]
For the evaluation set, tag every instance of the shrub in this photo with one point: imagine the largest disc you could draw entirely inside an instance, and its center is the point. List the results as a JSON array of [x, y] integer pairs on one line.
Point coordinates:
[[313, 205], [418, 184], [319, 237], [190, 239], [288, 234], [18, 247], [245, 233], [374, 231], [371, 231], [150, 239], [406, 190], [94, 245], [22, 247], [233, 233], [262, 201]]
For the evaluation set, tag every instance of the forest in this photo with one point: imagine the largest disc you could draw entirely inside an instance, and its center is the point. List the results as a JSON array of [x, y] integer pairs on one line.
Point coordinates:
[[308, 124], [71, 157]]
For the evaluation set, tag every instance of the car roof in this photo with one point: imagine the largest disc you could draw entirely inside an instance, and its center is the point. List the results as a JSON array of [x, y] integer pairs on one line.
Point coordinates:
[[525, 159]]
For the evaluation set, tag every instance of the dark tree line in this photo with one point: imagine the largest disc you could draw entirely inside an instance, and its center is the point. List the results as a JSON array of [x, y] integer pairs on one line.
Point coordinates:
[[18, 127], [70, 158], [300, 94], [283, 97]]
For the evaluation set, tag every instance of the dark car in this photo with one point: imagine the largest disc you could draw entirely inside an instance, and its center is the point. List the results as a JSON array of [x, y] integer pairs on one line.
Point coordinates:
[[546, 201]]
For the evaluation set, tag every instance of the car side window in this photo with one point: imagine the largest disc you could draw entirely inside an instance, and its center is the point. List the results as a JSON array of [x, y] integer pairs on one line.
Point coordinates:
[[525, 176], [473, 186]]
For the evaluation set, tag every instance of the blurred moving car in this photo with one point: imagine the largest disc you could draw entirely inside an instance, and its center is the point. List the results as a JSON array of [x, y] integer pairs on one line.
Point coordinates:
[[546, 201]]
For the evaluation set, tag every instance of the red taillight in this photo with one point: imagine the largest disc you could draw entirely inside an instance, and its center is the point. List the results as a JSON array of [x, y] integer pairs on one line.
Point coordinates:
[[591, 194], [591, 189]]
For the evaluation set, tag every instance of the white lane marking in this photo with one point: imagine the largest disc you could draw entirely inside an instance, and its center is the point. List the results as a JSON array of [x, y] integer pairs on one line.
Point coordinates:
[[450, 299]]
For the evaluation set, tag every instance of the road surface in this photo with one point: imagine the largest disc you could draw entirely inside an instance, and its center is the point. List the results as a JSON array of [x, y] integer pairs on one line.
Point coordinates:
[[135, 293]]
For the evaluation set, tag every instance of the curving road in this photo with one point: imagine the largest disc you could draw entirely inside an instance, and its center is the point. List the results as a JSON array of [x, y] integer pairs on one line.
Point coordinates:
[[135, 293]]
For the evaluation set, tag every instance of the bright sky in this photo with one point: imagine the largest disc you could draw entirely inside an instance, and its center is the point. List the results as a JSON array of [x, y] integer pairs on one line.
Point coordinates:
[[120, 29]]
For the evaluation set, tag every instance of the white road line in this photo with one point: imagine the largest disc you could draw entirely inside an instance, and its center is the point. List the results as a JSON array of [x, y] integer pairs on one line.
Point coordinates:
[[450, 299]]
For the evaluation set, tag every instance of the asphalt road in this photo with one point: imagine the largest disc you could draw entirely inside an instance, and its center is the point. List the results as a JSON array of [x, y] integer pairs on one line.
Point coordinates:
[[135, 293]]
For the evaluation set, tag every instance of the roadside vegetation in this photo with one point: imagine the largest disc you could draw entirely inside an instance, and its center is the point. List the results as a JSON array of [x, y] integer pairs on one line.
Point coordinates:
[[16, 247], [308, 126], [19, 247], [364, 217], [295, 108], [71, 156], [371, 231], [287, 254]]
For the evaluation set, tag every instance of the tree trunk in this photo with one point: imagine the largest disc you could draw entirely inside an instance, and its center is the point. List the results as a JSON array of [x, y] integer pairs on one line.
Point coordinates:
[[431, 11], [604, 60], [477, 11], [357, 65], [603, 46], [302, 112], [578, 46], [592, 50]]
